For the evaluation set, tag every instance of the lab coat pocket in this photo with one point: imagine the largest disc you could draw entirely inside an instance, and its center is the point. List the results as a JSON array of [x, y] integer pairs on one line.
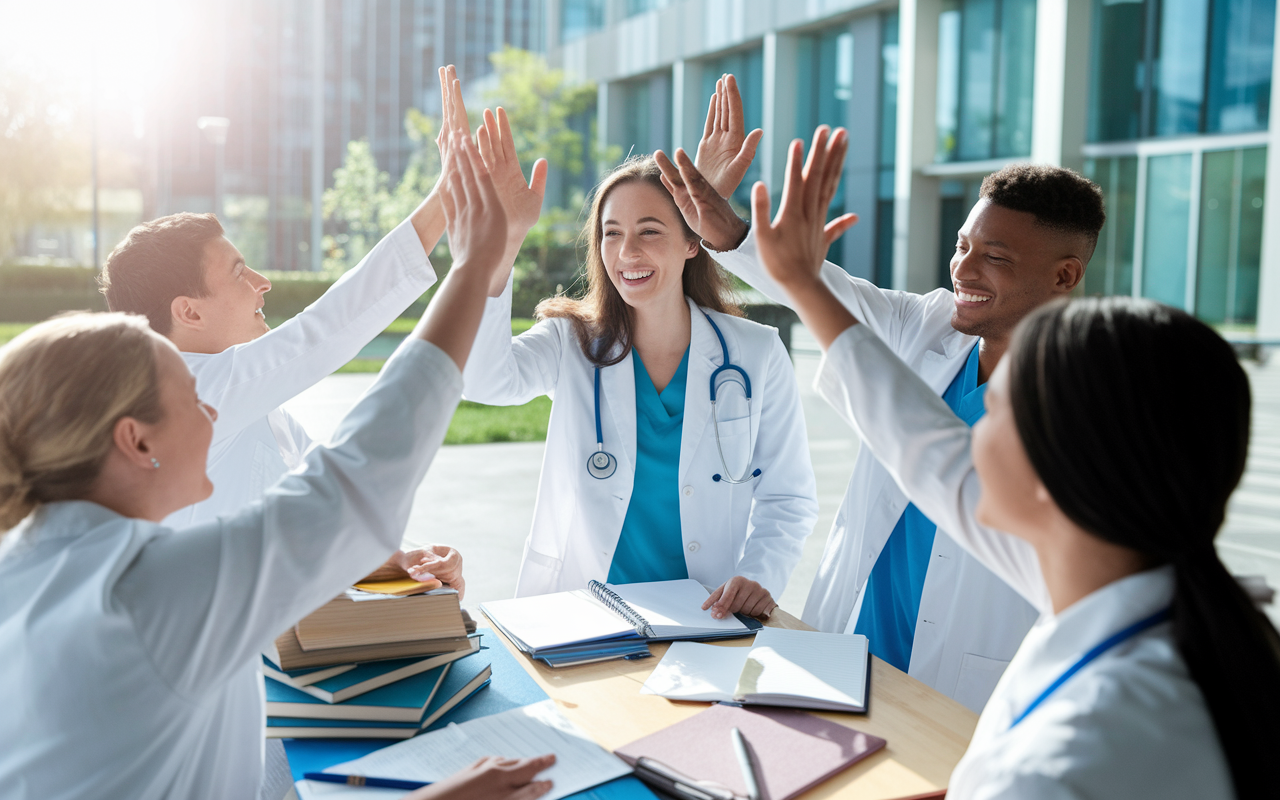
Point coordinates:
[[735, 445], [978, 678]]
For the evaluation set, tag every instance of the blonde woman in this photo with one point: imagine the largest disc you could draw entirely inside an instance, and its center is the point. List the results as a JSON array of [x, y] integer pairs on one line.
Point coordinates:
[[676, 446], [130, 651]]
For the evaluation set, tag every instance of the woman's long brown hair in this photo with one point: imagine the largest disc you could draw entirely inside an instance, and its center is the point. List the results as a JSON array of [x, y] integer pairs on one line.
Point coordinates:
[[601, 319]]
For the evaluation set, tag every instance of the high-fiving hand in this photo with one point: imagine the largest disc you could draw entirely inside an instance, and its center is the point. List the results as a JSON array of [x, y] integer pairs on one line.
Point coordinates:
[[474, 218], [794, 244], [522, 202], [726, 149]]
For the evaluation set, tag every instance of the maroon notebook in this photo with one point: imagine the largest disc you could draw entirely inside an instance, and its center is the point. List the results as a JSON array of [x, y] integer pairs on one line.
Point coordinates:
[[794, 750]]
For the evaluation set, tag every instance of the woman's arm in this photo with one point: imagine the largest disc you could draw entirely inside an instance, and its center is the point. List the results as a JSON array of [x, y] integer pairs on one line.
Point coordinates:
[[207, 600]]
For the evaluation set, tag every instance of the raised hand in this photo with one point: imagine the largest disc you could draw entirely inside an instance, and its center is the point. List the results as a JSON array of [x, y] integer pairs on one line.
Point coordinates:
[[474, 217], [522, 202], [795, 243], [492, 779], [726, 149], [453, 111], [704, 210]]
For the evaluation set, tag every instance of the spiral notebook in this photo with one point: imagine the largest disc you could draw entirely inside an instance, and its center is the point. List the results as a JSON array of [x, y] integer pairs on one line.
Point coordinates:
[[614, 617]]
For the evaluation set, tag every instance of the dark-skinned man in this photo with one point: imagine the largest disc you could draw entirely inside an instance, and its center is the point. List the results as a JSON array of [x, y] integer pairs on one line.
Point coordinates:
[[926, 606]]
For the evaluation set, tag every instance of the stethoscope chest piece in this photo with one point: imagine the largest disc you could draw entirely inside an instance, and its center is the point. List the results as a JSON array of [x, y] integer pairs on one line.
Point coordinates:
[[602, 465]]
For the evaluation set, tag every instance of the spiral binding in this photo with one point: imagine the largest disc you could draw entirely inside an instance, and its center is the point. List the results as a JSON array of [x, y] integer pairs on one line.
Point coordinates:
[[619, 606]]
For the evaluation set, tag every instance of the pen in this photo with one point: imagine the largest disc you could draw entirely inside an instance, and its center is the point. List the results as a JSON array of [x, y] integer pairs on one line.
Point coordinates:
[[360, 780], [747, 763]]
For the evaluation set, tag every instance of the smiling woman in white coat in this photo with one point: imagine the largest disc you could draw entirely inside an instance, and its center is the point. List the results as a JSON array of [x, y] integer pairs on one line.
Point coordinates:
[[131, 650], [1094, 485], [676, 445]]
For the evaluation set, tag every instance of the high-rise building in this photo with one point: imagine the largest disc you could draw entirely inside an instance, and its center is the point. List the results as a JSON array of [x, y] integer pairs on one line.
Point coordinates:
[[1165, 103]]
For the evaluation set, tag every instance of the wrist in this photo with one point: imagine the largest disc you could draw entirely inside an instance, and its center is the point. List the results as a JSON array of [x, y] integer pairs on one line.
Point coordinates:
[[731, 238]]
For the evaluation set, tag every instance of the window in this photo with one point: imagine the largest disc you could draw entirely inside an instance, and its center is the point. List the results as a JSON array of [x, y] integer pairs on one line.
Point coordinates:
[[825, 84], [1110, 271], [635, 7], [1168, 223], [1232, 183], [647, 115], [888, 148], [1179, 67], [747, 67], [958, 198], [579, 18], [986, 66]]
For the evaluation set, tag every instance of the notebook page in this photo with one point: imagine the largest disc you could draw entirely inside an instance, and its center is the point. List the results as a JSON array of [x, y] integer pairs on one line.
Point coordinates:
[[692, 671], [551, 620], [823, 666], [674, 604], [518, 733]]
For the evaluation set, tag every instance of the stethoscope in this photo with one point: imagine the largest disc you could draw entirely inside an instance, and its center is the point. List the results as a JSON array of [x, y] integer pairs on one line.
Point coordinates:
[[1098, 649], [601, 464]]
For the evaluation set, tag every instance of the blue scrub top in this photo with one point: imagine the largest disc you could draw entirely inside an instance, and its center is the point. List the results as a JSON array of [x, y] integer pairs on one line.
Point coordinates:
[[892, 601], [650, 547]]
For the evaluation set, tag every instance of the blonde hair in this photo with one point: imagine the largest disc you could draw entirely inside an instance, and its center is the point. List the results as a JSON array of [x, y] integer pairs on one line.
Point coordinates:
[[64, 384], [601, 318]]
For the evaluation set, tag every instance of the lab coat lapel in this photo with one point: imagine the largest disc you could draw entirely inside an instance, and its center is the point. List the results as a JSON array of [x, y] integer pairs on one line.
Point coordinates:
[[704, 357], [618, 396]]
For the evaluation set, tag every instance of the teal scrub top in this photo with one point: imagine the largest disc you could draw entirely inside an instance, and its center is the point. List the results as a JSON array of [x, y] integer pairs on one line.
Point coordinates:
[[650, 547], [892, 602]]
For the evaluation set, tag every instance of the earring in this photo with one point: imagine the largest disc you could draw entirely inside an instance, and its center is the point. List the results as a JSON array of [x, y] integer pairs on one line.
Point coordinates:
[[155, 464]]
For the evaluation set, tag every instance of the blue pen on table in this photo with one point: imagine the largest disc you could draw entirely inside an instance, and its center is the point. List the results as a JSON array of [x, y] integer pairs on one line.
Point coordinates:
[[361, 780]]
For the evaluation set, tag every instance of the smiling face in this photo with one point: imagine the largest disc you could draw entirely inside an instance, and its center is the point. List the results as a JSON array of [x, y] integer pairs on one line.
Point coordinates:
[[643, 245], [230, 312], [1005, 265]]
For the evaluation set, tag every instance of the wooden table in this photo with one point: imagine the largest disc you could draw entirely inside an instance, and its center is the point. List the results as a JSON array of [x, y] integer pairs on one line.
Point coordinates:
[[927, 731]]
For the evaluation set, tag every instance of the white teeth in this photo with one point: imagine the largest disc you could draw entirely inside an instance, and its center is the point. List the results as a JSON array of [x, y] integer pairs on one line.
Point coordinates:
[[973, 298], [635, 276]]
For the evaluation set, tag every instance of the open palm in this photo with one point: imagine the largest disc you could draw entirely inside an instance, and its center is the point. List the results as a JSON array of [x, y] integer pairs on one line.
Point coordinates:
[[726, 149], [521, 201]]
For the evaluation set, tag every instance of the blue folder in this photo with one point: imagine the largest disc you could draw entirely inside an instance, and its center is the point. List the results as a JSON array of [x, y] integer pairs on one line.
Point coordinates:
[[510, 687]]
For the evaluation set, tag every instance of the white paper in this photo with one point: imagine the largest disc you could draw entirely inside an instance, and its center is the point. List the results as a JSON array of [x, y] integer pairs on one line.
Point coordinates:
[[674, 603], [828, 667], [701, 672], [519, 733], [550, 620]]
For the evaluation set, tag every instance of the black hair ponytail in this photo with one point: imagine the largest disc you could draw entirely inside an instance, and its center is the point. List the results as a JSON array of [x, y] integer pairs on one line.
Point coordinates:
[[1136, 418]]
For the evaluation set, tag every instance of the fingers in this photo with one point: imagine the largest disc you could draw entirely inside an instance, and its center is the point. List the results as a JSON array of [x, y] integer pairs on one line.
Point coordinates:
[[485, 143], [760, 211], [747, 152], [507, 140], [699, 187], [814, 170], [836, 227], [538, 178], [837, 147], [793, 187], [736, 126], [532, 790], [713, 598], [670, 172], [710, 126], [727, 600], [526, 769]]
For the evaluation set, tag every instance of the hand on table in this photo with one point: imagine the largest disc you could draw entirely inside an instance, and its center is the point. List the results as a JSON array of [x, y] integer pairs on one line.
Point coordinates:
[[437, 561], [491, 778], [740, 595]]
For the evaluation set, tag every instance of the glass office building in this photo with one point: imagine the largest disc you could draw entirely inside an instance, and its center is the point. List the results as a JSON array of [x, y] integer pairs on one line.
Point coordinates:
[[1164, 103]]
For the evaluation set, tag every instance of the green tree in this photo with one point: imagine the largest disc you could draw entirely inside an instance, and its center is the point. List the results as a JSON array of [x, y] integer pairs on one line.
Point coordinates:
[[356, 202]]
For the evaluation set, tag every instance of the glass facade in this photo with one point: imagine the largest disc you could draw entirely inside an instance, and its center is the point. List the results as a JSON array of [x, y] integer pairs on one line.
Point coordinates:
[[580, 17], [1111, 269], [986, 67], [647, 115], [1231, 199], [1168, 224], [887, 148], [958, 197], [825, 86], [747, 67], [1180, 67], [641, 6]]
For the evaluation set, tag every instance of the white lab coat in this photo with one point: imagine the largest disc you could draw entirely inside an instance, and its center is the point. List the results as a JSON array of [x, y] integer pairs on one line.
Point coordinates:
[[970, 622], [756, 529], [1130, 724], [131, 666], [255, 442]]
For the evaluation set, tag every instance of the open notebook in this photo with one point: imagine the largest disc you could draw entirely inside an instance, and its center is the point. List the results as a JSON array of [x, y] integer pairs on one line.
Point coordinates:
[[800, 669], [611, 619]]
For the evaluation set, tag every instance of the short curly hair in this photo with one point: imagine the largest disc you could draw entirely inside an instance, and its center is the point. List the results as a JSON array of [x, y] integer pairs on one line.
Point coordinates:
[[1058, 198]]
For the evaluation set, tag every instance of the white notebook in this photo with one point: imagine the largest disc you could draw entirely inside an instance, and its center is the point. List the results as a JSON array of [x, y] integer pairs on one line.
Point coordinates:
[[798, 669], [657, 610]]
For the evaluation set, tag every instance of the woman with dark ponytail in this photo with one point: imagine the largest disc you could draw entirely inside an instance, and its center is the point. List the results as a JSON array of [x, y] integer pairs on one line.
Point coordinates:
[[1116, 430]]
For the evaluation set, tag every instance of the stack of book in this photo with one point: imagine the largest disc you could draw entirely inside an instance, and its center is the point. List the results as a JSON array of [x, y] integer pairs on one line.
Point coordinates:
[[373, 663]]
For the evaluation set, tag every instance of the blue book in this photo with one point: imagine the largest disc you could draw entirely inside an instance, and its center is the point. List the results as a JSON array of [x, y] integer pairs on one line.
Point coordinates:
[[357, 679], [403, 701], [302, 728]]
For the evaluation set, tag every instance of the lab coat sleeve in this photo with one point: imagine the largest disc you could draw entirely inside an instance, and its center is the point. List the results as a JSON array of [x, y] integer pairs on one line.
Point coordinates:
[[253, 378], [887, 312], [506, 370], [784, 505], [205, 601], [925, 447]]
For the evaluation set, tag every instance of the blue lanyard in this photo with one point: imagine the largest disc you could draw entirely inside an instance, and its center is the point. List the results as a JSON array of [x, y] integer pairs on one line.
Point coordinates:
[[1102, 647]]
